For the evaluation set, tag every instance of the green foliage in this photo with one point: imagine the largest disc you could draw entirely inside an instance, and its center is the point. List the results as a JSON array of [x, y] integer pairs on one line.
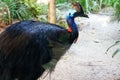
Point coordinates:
[[96, 5], [3, 11], [61, 9], [111, 2], [117, 10], [21, 10], [35, 8], [63, 6], [62, 23], [17, 10], [82, 2], [93, 6], [28, 9], [43, 9], [116, 17], [116, 51], [63, 1]]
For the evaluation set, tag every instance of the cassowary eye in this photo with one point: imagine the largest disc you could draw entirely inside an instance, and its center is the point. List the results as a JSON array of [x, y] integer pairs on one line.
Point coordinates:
[[69, 13]]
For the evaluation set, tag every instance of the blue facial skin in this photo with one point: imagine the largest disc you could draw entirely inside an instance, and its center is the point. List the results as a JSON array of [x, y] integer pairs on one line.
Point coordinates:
[[70, 20], [70, 13]]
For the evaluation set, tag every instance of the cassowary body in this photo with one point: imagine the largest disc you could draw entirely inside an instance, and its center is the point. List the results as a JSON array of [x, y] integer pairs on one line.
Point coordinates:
[[28, 47]]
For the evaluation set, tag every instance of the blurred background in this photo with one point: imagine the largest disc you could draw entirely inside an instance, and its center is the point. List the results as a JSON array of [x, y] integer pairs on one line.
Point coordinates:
[[12, 11]]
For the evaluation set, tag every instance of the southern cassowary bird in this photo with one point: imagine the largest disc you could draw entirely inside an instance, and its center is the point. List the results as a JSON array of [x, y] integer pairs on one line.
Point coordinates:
[[28, 48]]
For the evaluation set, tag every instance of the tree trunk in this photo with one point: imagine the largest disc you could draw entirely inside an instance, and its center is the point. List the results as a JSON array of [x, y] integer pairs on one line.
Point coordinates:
[[87, 4], [51, 12]]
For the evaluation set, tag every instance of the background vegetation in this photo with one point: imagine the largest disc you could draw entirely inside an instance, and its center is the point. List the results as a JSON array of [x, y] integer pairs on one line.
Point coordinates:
[[11, 10]]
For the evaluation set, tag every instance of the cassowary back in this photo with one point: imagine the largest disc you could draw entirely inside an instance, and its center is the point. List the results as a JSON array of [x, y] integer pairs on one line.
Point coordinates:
[[26, 46]]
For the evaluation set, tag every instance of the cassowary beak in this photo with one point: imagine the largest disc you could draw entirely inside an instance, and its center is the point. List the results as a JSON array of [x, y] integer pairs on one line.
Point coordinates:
[[85, 15], [78, 14]]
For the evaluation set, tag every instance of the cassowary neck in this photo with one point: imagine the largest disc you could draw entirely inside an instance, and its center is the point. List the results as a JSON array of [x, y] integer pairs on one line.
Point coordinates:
[[72, 28], [71, 24]]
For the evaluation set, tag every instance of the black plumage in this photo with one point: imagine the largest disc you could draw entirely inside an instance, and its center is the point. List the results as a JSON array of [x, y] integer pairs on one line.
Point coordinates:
[[28, 47]]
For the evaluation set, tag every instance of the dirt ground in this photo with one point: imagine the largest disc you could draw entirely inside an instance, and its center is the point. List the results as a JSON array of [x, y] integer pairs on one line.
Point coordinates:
[[86, 60]]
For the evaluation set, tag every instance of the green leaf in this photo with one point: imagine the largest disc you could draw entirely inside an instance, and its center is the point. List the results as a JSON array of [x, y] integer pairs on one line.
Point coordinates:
[[118, 50], [116, 43]]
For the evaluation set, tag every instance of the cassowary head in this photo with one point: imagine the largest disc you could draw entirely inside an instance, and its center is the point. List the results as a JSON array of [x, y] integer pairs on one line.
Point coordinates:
[[77, 10]]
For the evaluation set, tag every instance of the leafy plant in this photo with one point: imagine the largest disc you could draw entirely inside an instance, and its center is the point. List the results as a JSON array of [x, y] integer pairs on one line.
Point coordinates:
[[21, 10], [3, 11], [63, 1], [35, 8], [93, 6], [117, 10], [14, 10], [116, 51], [116, 17]]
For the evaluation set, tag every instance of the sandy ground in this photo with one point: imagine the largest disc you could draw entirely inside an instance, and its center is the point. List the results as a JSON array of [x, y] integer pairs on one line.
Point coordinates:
[[86, 60]]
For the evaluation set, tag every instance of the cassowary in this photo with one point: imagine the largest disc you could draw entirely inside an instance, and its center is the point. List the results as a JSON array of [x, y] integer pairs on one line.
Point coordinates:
[[28, 48]]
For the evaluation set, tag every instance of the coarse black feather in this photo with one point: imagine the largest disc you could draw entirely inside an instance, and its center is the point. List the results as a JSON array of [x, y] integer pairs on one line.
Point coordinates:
[[29, 44]]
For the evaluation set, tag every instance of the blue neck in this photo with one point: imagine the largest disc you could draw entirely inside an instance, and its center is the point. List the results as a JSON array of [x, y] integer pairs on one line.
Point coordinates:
[[71, 23]]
